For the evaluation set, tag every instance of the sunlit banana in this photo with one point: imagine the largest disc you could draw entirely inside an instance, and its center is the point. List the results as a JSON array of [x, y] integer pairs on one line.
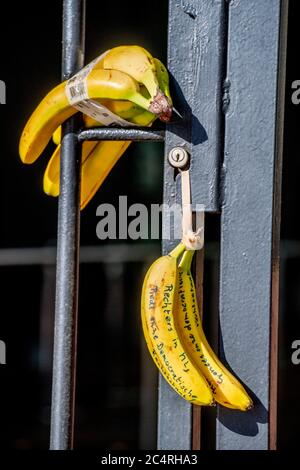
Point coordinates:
[[56, 136], [124, 109], [163, 78], [52, 172], [98, 158], [97, 154], [103, 158], [164, 344], [227, 390], [98, 165], [139, 64], [55, 108]]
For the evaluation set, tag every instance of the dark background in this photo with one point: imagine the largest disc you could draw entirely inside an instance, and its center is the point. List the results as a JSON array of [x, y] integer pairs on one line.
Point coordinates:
[[116, 381]]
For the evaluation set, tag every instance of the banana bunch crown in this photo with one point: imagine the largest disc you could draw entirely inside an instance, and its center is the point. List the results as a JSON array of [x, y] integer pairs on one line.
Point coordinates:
[[176, 340]]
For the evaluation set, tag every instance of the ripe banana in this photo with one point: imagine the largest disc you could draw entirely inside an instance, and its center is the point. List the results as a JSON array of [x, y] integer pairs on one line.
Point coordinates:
[[139, 64], [124, 109], [98, 158], [56, 136], [96, 154], [163, 78], [165, 346], [226, 389], [52, 172], [55, 108]]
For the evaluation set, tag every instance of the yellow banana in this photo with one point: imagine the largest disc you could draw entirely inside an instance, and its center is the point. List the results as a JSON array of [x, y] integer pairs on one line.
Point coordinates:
[[98, 158], [56, 136], [164, 344], [103, 158], [124, 109], [97, 155], [227, 390], [98, 165], [52, 172], [55, 108], [139, 64], [163, 78]]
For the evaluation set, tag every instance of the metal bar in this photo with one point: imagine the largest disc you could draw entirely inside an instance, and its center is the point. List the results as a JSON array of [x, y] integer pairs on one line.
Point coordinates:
[[139, 135], [251, 214], [65, 332], [275, 278], [195, 61], [197, 47], [121, 252]]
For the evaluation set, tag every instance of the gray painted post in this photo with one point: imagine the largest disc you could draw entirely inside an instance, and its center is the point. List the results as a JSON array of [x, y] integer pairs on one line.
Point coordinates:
[[251, 214], [195, 60]]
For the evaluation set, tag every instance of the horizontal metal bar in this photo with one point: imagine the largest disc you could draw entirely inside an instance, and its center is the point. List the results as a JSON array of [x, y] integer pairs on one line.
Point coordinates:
[[142, 134], [108, 254]]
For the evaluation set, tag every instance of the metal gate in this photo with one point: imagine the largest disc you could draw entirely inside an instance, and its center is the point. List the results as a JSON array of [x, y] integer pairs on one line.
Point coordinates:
[[227, 62]]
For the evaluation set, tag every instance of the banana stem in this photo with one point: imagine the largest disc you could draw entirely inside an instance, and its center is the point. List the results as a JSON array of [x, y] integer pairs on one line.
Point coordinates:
[[186, 260], [177, 251], [150, 82], [141, 101]]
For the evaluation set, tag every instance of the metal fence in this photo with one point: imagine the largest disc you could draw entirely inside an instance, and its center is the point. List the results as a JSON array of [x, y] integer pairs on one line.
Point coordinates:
[[227, 62]]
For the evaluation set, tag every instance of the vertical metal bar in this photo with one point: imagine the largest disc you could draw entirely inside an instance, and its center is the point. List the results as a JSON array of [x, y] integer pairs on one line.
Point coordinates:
[[197, 39], [65, 333], [195, 61], [275, 280], [251, 216]]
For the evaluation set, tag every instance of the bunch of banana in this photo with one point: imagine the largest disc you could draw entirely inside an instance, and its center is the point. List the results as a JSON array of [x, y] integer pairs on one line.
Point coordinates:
[[176, 340], [158, 307], [130, 83]]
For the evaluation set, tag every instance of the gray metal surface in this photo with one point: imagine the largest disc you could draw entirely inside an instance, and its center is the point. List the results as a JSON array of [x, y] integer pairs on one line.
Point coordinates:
[[195, 59], [65, 332], [196, 46], [140, 134], [250, 211]]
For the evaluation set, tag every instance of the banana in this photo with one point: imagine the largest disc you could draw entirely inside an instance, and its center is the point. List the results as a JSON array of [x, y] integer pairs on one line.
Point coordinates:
[[55, 108], [226, 389], [56, 136], [157, 311], [52, 172], [98, 165], [124, 109], [98, 158], [163, 78], [97, 154], [139, 64]]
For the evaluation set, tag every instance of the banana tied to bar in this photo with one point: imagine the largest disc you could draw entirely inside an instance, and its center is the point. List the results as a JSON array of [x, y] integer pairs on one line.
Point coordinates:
[[127, 81]]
